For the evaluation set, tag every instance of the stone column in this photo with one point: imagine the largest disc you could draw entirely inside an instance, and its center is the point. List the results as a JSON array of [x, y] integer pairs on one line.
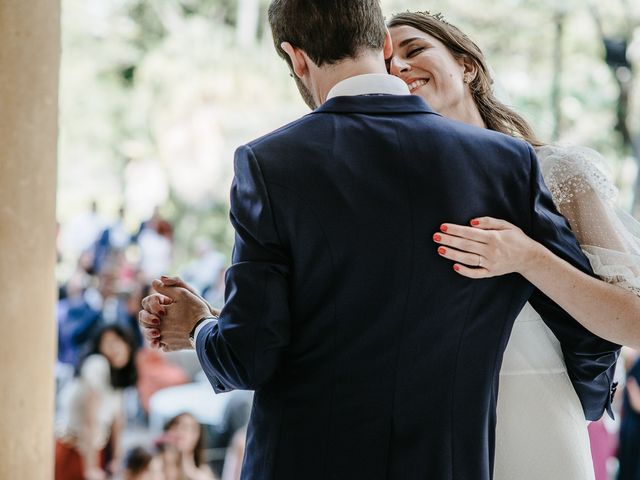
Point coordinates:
[[29, 59]]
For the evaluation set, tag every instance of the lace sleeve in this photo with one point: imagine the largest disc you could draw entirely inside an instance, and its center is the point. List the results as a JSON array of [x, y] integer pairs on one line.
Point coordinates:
[[571, 171], [610, 238]]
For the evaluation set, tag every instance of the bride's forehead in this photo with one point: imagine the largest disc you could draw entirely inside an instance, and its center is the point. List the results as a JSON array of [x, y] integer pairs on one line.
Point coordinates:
[[404, 31], [404, 34]]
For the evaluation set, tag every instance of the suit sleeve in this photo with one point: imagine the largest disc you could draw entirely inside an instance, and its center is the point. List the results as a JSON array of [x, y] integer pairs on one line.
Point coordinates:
[[590, 359], [243, 349]]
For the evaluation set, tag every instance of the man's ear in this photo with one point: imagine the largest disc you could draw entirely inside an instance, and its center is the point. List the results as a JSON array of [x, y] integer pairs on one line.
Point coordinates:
[[388, 45], [297, 57]]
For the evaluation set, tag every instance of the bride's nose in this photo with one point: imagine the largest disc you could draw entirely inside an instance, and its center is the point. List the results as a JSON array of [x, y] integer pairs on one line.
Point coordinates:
[[398, 66]]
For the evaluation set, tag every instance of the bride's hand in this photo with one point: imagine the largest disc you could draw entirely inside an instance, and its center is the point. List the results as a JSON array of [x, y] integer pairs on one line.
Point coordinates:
[[489, 248]]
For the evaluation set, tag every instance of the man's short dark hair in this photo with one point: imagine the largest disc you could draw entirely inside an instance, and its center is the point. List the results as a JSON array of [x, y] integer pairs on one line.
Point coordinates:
[[328, 31]]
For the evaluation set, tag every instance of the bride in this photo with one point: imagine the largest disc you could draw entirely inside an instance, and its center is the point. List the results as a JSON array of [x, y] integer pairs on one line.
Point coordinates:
[[541, 431]]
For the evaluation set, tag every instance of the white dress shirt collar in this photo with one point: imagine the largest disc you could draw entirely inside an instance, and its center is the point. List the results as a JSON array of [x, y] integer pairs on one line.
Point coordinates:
[[368, 84]]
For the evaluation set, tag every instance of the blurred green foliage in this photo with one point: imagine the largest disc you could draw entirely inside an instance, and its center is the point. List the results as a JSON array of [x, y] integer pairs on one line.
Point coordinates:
[[157, 94]]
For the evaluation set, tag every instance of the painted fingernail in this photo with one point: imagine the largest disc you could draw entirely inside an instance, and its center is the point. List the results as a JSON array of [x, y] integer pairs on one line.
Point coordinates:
[[443, 228], [437, 237], [155, 321], [442, 250], [456, 268], [475, 222]]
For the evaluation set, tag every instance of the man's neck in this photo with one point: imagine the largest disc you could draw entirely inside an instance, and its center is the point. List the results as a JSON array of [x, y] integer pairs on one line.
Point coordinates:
[[327, 77]]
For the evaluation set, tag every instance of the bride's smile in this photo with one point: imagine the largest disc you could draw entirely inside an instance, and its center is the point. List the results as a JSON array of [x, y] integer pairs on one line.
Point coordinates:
[[416, 84]]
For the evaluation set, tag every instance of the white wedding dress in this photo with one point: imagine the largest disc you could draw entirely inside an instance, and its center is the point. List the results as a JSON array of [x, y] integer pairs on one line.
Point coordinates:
[[541, 431]]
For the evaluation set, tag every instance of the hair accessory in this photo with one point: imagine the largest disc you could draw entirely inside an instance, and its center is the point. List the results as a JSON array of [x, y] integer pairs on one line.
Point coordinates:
[[436, 16]]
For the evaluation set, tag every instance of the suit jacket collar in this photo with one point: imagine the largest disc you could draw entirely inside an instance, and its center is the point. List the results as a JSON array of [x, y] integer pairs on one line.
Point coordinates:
[[375, 104]]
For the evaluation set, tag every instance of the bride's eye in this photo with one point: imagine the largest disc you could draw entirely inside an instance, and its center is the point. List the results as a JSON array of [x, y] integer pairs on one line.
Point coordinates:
[[414, 52]]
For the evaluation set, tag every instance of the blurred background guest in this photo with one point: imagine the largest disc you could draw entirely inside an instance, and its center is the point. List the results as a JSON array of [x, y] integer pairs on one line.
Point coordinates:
[[156, 242], [629, 450], [235, 454], [81, 232], [205, 273], [90, 413], [140, 464], [182, 450]]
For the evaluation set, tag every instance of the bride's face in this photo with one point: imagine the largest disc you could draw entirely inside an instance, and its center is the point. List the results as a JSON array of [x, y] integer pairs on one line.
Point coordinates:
[[428, 68]]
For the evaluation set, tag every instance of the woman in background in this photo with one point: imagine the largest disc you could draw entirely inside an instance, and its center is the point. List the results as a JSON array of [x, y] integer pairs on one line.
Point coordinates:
[[182, 448], [90, 416]]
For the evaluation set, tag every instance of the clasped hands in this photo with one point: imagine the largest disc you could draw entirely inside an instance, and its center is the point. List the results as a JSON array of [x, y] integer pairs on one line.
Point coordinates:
[[169, 315]]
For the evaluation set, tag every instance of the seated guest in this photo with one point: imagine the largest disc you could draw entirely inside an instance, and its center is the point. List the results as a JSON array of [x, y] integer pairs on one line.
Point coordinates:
[[90, 416], [182, 448]]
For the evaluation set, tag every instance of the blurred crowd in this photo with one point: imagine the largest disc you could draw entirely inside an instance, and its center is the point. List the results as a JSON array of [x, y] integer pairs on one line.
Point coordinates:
[[124, 411]]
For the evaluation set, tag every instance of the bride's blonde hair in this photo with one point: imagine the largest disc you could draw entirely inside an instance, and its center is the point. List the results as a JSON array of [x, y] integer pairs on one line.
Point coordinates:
[[496, 115]]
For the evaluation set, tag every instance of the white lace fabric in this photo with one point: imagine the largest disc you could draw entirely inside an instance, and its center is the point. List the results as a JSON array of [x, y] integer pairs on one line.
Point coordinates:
[[610, 237], [570, 171]]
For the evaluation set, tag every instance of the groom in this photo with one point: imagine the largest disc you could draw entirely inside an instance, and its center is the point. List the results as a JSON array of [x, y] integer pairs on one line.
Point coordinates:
[[370, 358]]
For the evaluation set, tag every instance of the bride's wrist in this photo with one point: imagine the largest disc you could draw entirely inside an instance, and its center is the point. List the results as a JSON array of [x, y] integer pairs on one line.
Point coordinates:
[[532, 259]]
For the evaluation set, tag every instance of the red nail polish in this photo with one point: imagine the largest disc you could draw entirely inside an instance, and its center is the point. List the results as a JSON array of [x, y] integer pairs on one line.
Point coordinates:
[[475, 223], [437, 237], [443, 228], [442, 250], [155, 321], [456, 268]]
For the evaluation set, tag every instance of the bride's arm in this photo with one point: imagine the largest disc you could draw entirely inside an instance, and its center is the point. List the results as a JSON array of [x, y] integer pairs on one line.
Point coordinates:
[[607, 310]]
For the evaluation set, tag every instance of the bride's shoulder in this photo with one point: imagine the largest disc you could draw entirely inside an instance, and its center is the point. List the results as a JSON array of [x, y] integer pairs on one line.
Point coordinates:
[[569, 154], [573, 169]]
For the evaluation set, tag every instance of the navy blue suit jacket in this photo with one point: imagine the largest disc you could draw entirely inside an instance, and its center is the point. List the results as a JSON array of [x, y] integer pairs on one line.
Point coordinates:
[[369, 356]]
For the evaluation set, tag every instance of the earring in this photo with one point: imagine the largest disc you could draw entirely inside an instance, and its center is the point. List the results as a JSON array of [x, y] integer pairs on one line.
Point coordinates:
[[467, 78]]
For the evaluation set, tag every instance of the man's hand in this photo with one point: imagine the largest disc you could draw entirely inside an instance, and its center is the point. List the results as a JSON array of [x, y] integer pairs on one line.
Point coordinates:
[[178, 282], [170, 315]]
